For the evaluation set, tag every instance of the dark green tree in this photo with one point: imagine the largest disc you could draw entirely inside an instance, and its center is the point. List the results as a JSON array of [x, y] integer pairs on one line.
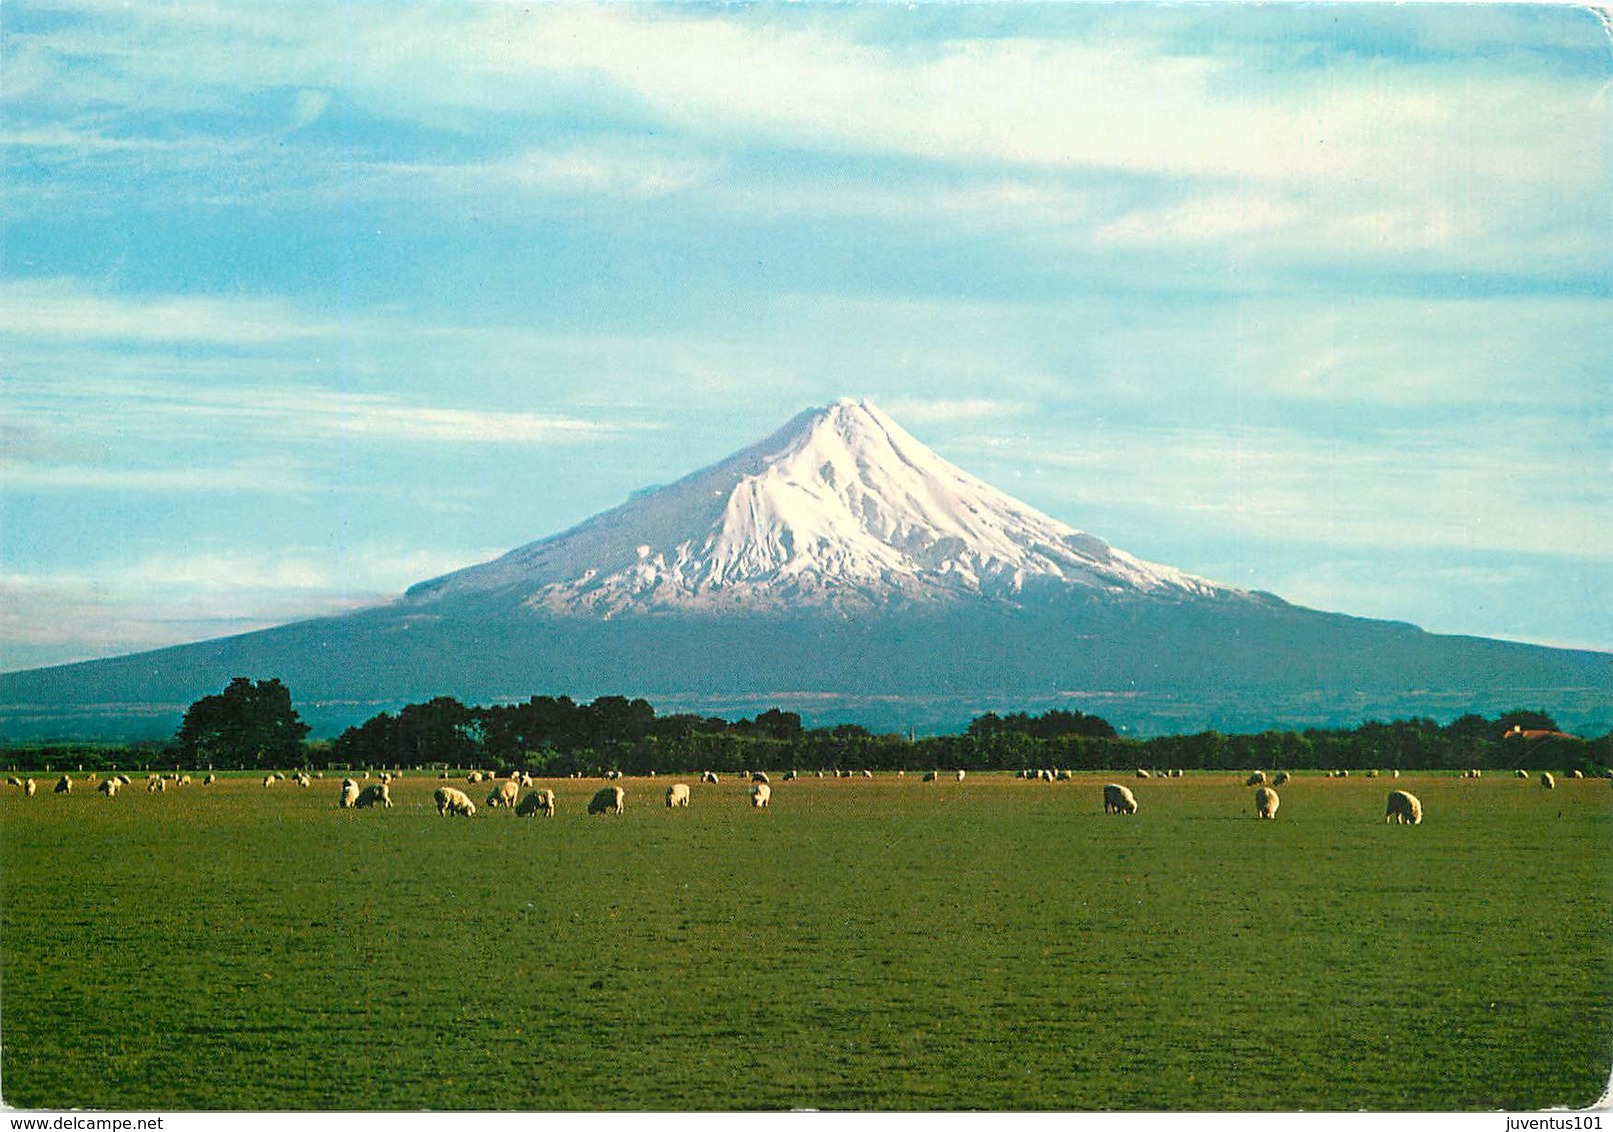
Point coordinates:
[[249, 724]]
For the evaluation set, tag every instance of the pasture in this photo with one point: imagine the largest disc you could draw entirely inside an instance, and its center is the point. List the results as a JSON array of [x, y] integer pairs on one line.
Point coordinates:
[[861, 944]]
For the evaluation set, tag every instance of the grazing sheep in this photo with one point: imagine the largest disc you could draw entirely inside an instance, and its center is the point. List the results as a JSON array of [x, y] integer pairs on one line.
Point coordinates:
[[1117, 799], [929, 776], [109, 787], [1281, 778], [452, 801], [155, 785], [1575, 774], [612, 775], [1403, 808], [1520, 773], [125, 780], [760, 795], [1547, 780], [537, 802], [29, 786], [349, 794], [303, 780], [960, 775], [1394, 774], [504, 793], [375, 794], [1177, 773], [1258, 778], [677, 795], [1374, 773], [1266, 802], [714, 780], [790, 776], [610, 800], [209, 780], [1141, 773], [268, 780], [1061, 776], [184, 780], [64, 785], [13, 781], [1045, 776], [759, 776]]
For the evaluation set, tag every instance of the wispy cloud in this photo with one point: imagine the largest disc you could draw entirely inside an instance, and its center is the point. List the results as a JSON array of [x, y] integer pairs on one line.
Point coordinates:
[[111, 606], [63, 309]]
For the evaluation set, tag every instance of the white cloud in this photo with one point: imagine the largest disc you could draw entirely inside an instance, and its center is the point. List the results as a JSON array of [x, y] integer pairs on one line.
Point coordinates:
[[111, 607], [64, 309], [1485, 488]]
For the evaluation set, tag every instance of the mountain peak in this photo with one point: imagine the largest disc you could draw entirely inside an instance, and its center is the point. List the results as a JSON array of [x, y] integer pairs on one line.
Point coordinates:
[[839, 510]]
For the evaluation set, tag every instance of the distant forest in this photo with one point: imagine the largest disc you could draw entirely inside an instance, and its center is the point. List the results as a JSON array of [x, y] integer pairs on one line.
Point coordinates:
[[251, 725]]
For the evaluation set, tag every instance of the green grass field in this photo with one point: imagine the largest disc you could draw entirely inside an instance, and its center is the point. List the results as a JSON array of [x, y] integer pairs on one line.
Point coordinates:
[[885, 944]]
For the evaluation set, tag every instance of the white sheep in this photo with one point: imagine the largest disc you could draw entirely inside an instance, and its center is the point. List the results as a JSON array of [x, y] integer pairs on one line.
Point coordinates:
[[960, 775], [1280, 779], [1258, 778], [1141, 773], [1117, 799], [760, 794], [790, 776], [759, 776], [677, 795], [504, 793], [869, 774], [209, 780], [155, 784], [1547, 780], [375, 794], [1520, 773], [349, 794], [610, 800], [13, 781], [125, 780], [1576, 773], [303, 780], [537, 802], [1403, 808], [109, 787], [1266, 802], [29, 786], [64, 785], [712, 778], [269, 780], [452, 801]]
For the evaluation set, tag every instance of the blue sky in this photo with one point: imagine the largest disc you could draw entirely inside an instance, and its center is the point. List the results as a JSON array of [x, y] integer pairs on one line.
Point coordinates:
[[303, 303]]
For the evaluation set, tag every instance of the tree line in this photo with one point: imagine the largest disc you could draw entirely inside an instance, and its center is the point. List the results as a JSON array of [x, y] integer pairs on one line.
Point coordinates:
[[252, 725]]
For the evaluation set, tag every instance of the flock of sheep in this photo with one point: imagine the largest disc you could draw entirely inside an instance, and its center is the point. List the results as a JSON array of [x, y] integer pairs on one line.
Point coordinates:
[[1402, 806]]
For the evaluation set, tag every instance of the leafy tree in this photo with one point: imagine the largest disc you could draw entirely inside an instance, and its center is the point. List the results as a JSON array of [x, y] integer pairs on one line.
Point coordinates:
[[249, 724]]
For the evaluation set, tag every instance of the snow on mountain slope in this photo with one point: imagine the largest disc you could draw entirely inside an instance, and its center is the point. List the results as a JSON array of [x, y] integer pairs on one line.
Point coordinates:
[[839, 510]]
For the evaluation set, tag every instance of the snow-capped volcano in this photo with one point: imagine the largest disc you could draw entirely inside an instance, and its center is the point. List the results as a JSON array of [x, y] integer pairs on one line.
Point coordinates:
[[841, 509], [841, 569]]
